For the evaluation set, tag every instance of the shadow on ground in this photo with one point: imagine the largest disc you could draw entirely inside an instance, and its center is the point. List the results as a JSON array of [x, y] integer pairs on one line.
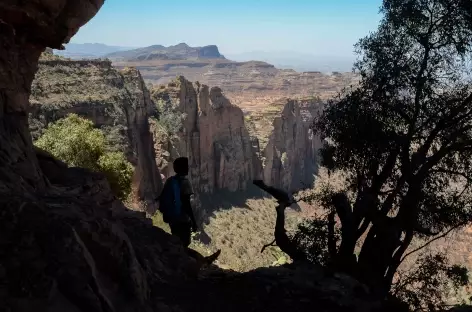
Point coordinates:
[[224, 200]]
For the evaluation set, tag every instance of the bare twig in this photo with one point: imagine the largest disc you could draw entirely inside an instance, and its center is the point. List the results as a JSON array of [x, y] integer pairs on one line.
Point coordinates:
[[268, 245], [432, 240]]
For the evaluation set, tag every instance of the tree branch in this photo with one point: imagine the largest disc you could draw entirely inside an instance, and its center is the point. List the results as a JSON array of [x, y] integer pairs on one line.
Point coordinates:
[[396, 261], [281, 238], [432, 240], [267, 245], [331, 238]]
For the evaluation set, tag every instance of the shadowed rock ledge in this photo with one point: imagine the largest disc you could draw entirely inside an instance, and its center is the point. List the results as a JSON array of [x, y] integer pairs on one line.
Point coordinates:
[[66, 244]]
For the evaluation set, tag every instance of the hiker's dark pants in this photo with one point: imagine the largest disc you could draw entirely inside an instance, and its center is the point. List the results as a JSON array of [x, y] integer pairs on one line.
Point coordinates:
[[183, 231]]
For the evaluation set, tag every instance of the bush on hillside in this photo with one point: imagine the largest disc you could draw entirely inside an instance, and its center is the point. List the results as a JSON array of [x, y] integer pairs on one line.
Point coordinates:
[[75, 141], [118, 171], [170, 117]]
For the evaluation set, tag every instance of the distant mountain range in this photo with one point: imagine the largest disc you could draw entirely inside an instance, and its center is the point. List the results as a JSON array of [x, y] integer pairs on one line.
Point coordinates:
[[181, 51], [89, 50], [298, 61], [281, 59]]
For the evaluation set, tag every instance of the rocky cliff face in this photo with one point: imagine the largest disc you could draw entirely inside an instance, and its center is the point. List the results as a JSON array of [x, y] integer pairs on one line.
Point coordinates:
[[214, 137], [181, 51], [116, 101], [290, 157], [67, 244], [210, 51]]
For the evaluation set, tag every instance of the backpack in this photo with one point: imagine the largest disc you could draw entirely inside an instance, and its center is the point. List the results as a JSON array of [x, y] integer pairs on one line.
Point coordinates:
[[170, 204]]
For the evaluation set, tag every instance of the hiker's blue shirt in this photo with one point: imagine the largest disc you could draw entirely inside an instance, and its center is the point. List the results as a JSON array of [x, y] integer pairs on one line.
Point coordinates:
[[174, 203]]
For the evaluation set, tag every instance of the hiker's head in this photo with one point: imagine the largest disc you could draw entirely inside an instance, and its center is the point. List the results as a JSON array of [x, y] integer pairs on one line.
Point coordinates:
[[181, 166]]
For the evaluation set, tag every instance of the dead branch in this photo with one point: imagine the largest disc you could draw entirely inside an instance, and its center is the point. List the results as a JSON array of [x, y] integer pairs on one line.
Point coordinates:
[[268, 245], [281, 238]]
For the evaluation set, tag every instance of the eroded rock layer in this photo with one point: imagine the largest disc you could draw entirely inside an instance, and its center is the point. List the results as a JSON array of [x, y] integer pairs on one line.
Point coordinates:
[[118, 102]]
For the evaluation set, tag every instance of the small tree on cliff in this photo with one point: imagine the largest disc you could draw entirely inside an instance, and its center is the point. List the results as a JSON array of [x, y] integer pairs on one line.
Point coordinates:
[[404, 136], [76, 142]]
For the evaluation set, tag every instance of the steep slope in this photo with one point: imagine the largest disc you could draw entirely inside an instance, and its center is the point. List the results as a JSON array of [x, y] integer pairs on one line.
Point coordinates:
[[214, 136], [116, 101], [181, 51]]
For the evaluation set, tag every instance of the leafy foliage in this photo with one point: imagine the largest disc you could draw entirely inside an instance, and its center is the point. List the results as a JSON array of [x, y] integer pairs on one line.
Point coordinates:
[[118, 171], [75, 141], [404, 136], [170, 117], [312, 236], [425, 287]]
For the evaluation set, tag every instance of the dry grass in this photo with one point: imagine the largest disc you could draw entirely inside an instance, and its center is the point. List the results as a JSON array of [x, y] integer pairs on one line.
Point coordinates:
[[242, 231]]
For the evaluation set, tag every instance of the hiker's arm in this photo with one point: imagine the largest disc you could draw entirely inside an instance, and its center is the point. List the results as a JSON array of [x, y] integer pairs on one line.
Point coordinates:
[[189, 205], [189, 201]]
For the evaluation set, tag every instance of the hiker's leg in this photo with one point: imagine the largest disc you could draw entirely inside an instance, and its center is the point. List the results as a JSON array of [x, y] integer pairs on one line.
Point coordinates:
[[174, 229], [179, 230], [182, 231], [185, 233], [186, 236]]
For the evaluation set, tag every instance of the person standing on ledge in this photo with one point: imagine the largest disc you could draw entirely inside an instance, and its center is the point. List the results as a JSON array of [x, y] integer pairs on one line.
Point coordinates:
[[175, 203]]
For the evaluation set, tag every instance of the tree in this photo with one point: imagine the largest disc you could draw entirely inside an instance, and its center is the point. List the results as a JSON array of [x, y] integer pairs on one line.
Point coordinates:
[[403, 136], [75, 141]]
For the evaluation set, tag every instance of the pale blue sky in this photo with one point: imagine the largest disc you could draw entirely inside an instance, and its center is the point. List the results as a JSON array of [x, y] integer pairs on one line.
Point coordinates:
[[318, 27]]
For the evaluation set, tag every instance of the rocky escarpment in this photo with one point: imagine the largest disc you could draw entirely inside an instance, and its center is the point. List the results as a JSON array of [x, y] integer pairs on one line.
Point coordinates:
[[290, 157], [214, 136], [116, 101], [181, 51], [67, 244]]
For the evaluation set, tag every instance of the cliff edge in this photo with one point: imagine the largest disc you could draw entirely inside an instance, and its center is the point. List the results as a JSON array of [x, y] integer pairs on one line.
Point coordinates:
[[67, 244]]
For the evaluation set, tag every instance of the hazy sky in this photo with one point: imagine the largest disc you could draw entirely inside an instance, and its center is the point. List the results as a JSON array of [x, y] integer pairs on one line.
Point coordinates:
[[319, 27]]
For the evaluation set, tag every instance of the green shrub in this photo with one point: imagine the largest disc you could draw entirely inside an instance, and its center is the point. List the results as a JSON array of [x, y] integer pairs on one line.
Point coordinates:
[[312, 237], [118, 171], [170, 117], [75, 141]]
